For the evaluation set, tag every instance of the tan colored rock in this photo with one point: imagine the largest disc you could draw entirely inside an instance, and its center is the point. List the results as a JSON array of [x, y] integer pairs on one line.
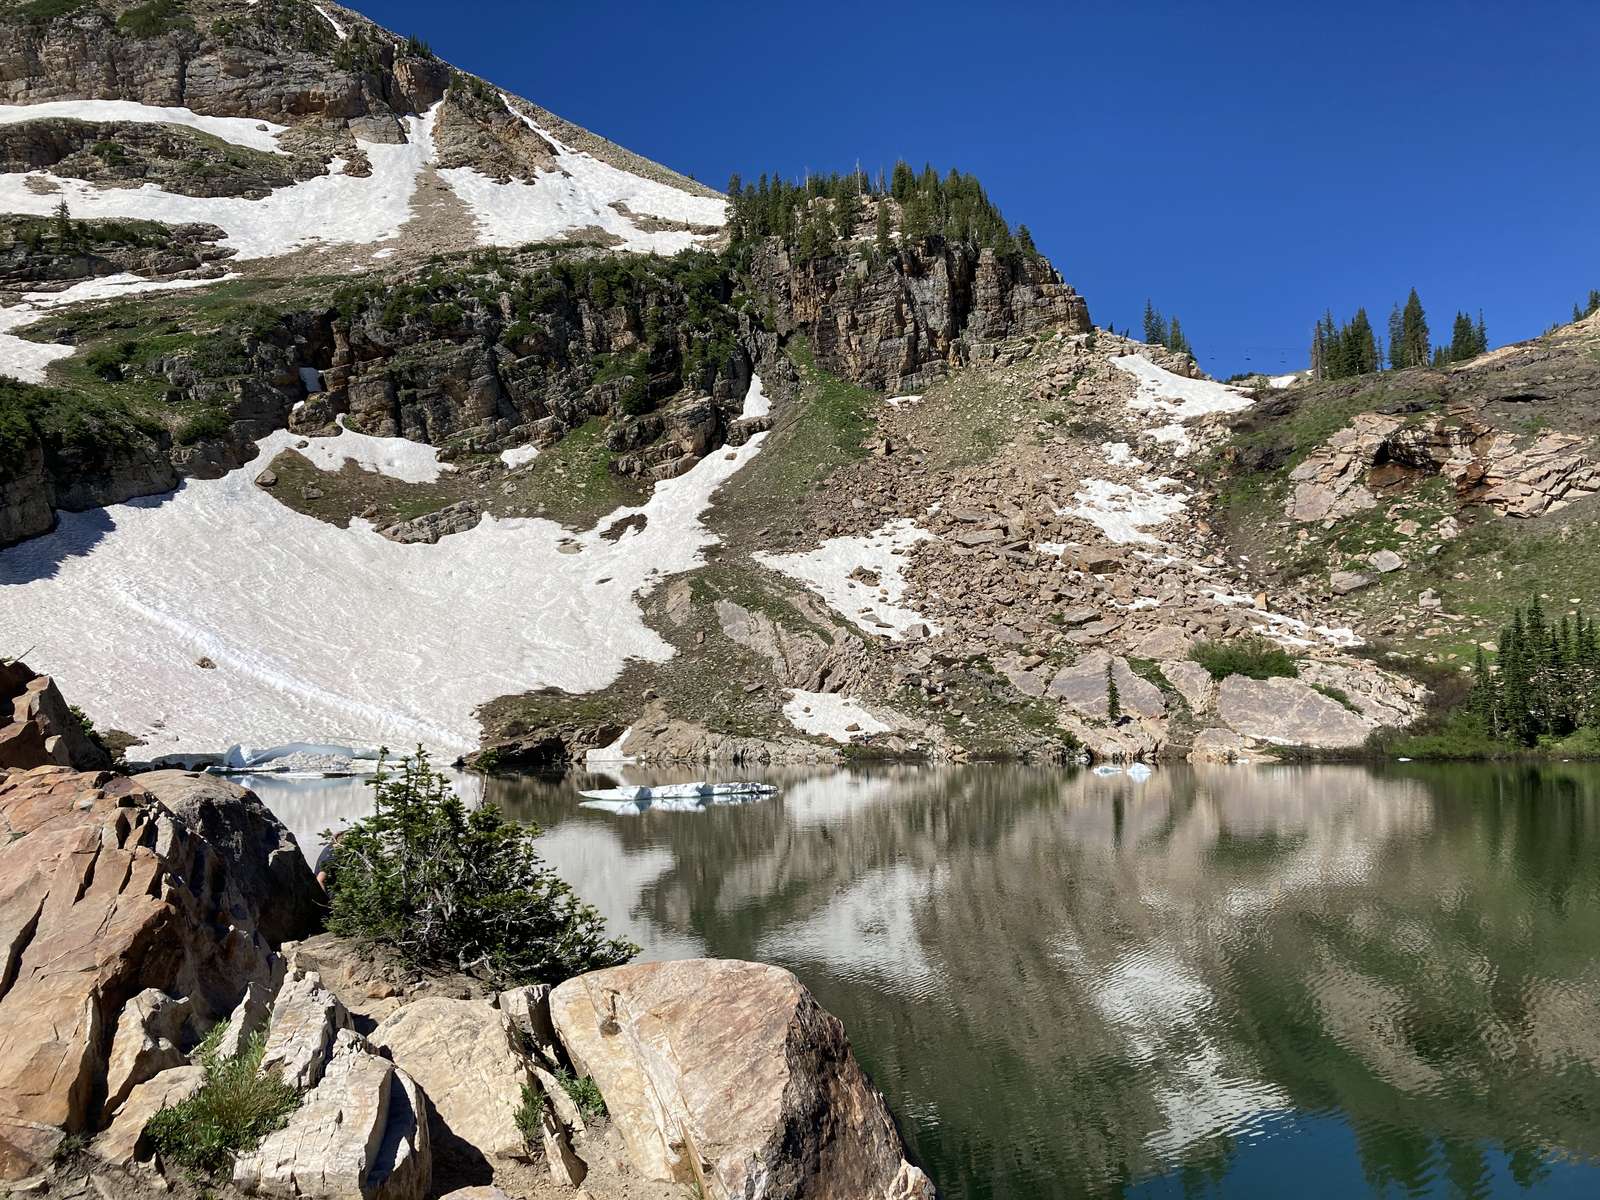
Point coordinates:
[[465, 1055], [306, 1019], [250, 1016], [477, 1193], [121, 1143], [146, 1043], [1194, 683], [360, 1134], [529, 1011], [1164, 641], [103, 894], [730, 1077], [1221, 746], [1287, 712]]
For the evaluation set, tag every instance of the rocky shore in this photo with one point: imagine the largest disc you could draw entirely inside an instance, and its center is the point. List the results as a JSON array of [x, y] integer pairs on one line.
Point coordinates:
[[154, 927]]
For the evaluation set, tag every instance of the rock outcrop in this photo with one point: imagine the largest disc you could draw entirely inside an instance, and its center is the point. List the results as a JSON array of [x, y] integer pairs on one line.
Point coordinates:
[[38, 728], [731, 1078]]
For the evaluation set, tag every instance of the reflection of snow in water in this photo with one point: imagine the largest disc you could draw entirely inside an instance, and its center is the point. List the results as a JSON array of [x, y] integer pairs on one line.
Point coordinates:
[[312, 805], [870, 929]]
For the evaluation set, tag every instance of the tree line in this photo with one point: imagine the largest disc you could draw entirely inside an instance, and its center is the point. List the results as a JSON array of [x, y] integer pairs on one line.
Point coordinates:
[[812, 215], [1588, 308], [1545, 681], [1353, 347], [1159, 331]]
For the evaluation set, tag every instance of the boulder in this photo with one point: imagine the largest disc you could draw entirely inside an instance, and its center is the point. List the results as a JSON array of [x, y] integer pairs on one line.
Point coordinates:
[[1288, 712], [1345, 582], [466, 1057], [147, 1040], [1194, 683], [359, 1134], [1386, 562], [121, 1143], [250, 1016], [37, 728], [729, 1077], [306, 1020], [477, 1193], [1083, 686], [1220, 746], [104, 894]]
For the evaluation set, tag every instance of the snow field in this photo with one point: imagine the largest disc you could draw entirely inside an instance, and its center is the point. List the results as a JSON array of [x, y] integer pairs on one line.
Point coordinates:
[[827, 569], [1160, 391], [398, 458], [825, 714], [241, 131], [1126, 513]]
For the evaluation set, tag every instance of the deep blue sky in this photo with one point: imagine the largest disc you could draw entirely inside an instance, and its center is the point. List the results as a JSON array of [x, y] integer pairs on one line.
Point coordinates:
[[1244, 164]]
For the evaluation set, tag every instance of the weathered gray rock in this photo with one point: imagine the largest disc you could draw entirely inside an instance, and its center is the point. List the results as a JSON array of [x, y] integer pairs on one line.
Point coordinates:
[[1386, 562], [1345, 582], [122, 1141], [729, 1076], [360, 1134], [1083, 686], [1287, 712], [249, 1018], [1194, 683], [146, 1043]]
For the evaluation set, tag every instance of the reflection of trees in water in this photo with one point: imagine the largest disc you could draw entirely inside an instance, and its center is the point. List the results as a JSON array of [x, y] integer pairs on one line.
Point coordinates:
[[1065, 982]]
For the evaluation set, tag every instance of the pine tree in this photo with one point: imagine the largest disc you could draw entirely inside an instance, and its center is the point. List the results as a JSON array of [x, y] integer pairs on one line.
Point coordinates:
[[63, 221], [1113, 697], [1480, 335], [885, 243], [1414, 341], [1025, 242], [1463, 339], [1175, 339], [1155, 329], [1397, 339]]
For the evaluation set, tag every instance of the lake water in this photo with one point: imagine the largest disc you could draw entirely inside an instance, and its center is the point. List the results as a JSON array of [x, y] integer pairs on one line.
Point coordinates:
[[1236, 982]]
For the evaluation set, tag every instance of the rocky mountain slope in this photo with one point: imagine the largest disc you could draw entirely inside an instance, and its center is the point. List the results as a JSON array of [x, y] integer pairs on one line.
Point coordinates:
[[834, 478]]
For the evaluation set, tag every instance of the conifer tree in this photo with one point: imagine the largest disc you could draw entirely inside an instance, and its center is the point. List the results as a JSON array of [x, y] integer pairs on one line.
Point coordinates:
[[1175, 339], [1397, 339], [1155, 328], [1113, 697], [1463, 339], [1414, 341], [885, 243], [1025, 242], [1480, 335]]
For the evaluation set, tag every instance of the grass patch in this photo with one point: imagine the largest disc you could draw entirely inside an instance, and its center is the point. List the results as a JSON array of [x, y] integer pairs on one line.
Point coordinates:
[[572, 481], [530, 1115], [1338, 695], [153, 18], [229, 1115], [1253, 657]]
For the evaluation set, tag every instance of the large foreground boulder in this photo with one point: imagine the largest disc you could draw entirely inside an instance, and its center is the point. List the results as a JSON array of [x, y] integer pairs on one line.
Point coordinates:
[[37, 728], [730, 1077], [107, 897]]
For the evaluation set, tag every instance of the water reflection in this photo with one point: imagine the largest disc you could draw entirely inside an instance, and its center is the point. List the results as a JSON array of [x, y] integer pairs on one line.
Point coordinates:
[[1207, 983]]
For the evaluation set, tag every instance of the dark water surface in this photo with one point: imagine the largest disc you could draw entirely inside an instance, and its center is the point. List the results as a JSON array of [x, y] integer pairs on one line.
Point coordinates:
[[1239, 982]]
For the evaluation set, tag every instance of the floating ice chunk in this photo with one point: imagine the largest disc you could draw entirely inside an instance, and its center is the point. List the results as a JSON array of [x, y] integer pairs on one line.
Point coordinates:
[[1139, 772], [1106, 770]]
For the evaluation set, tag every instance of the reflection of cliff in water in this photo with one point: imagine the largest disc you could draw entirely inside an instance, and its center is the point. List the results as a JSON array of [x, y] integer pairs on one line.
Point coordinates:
[[1065, 978]]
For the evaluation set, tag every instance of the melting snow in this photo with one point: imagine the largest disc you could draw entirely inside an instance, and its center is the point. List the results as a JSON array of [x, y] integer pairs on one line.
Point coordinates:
[[398, 458], [1120, 454], [827, 570], [1187, 399], [756, 401], [25, 360], [519, 456], [826, 714], [1124, 513], [241, 131], [338, 635], [580, 194], [334, 208], [339, 30]]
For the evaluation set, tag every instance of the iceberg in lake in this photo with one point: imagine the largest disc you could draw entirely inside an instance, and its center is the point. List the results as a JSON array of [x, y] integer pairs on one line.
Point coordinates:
[[674, 797]]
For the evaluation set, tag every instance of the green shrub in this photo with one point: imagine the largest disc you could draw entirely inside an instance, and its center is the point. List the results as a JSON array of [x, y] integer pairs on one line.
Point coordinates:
[[203, 427], [530, 1114], [585, 1093], [446, 886], [154, 18], [230, 1114], [42, 12], [1254, 658]]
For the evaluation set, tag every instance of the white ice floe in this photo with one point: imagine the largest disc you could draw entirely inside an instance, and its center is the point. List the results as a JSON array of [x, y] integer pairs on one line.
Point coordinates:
[[398, 458], [678, 797], [756, 401], [1126, 513], [339, 30], [241, 131], [827, 571], [581, 194], [519, 456], [300, 758], [339, 635], [826, 714], [1160, 391], [331, 209], [1120, 454], [25, 360]]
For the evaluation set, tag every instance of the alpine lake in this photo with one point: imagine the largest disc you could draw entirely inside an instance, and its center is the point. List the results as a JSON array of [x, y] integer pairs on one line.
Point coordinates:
[[1280, 981]]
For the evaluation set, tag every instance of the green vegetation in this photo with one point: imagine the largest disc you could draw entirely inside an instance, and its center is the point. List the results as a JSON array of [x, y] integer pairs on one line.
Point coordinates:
[[1350, 349], [1113, 697], [154, 18], [61, 422], [585, 1094], [42, 12], [1252, 657], [235, 1108], [1158, 331], [812, 216], [1545, 683], [530, 1115], [1587, 308], [466, 890], [1353, 348]]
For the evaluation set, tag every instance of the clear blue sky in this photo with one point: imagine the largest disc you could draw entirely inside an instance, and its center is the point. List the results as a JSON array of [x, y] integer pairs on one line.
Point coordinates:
[[1246, 165]]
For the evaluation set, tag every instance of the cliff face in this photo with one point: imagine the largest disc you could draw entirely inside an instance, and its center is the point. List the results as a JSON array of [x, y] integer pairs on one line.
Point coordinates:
[[904, 320]]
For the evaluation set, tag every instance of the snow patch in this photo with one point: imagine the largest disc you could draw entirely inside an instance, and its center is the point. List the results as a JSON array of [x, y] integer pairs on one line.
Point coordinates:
[[827, 570], [1120, 454], [398, 458], [1124, 513], [582, 193], [829, 715], [336, 635], [331, 209], [519, 456], [241, 131], [1187, 399], [339, 30], [756, 401], [897, 401]]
